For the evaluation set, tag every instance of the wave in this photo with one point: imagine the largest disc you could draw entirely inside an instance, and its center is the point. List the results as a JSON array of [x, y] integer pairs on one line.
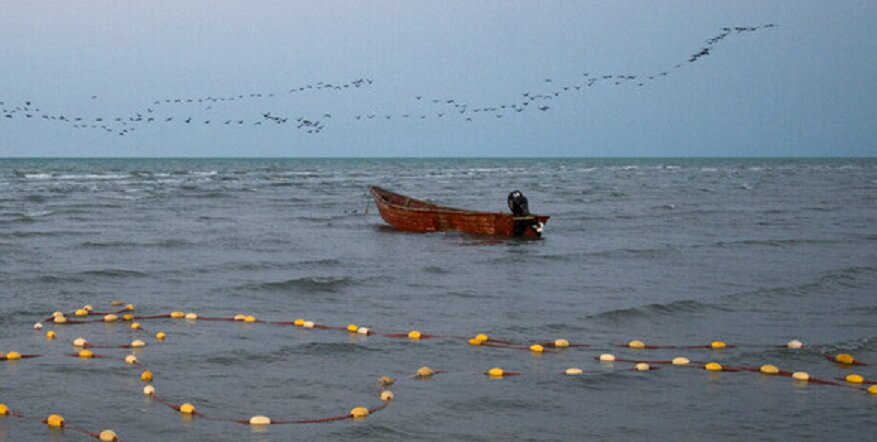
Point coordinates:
[[217, 194], [315, 264], [58, 279], [850, 346], [685, 306], [41, 234], [106, 244], [331, 348], [39, 213], [848, 277], [773, 242], [114, 273], [86, 176], [170, 244], [321, 284]]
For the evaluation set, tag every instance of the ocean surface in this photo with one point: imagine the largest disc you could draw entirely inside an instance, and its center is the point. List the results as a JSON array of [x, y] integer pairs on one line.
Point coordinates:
[[752, 252]]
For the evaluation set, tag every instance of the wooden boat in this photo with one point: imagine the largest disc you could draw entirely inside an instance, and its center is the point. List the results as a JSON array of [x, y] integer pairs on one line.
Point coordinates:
[[413, 215]]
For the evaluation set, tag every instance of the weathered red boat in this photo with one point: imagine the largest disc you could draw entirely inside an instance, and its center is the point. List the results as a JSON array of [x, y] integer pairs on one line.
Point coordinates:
[[413, 215]]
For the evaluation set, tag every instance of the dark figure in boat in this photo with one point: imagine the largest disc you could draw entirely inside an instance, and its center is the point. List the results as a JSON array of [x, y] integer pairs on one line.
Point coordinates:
[[521, 211]]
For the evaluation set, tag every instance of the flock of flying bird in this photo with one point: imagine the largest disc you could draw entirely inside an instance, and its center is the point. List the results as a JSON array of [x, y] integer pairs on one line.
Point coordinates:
[[159, 111]]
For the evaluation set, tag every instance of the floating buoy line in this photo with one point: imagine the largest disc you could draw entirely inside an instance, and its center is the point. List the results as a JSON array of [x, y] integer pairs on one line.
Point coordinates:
[[89, 350]]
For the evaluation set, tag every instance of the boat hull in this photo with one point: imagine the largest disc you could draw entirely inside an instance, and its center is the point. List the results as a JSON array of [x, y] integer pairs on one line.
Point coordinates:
[[412, 215]]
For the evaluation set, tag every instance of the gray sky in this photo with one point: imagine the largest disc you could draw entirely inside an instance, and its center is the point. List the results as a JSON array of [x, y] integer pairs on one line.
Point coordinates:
[[804, 88]]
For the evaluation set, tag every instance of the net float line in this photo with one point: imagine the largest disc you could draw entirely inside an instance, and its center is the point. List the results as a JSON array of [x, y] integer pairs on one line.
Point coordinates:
[[87, 354], [57, 422], [498, 373], [673, 347], [135, 344], [190, 410], [480, 339], [771, 370], [14, 356], [712, 366], [856, 379], [352, 415], [88, 311], [845, 359]]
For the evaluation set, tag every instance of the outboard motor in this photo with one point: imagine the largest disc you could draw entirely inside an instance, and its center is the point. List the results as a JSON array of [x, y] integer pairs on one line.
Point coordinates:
[[521, 211], [518, 204]]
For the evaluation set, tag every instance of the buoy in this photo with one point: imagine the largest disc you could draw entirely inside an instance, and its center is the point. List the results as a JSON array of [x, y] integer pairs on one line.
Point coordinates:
[[135, 326], [81, 312], [308, 324], [129, 307], [191, 316], [160, 336], [131, 359], [642, 366], [872, 389], [110, 318], [59, 319], [363, 331], [414, 335], [86, 354], [636, 344], [855, 379], [4, 410], [801, 376], [108, 436], [187, 408], [178, 315], [13, 356], [844, 358], [561, 343], [88, 308], [495, 372], [424, 372], [536, 348], [713, 366], [55, 421], [116, 303], [239, 317], [299, 323], [769, 369], [128, 317], [80, 342], [475, 341], [149, 390], [386, 381], [794, 344], [352, 328], [250, 319], [359, 412], [58, 313], [387, 395], [260, 420], [137, 343], [51, 335], [573, 371], [606, 357], [717, 345], [146, 376], [38, 326], [482, 337], [680, 361]]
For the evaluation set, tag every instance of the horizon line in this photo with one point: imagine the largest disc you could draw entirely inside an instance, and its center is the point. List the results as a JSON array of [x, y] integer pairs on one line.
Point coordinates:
[[405, 157]]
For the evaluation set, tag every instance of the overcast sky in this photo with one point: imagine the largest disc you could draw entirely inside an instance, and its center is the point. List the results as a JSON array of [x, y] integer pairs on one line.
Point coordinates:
[[806, 87]]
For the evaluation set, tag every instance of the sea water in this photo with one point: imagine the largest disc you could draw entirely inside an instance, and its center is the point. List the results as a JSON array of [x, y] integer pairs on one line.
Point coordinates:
[[753, 252]]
